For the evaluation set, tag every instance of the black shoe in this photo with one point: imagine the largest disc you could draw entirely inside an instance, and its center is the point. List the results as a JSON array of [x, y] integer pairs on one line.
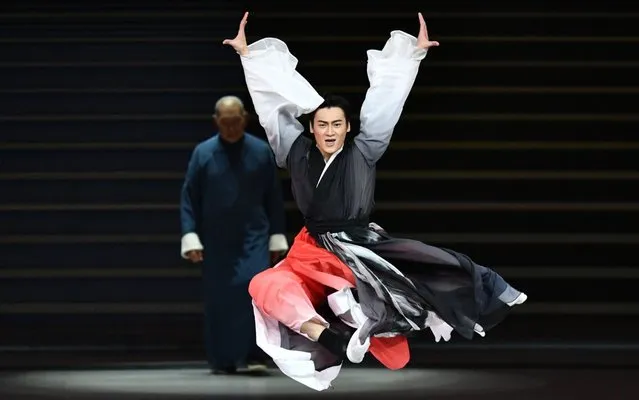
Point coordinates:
[[335, 341], [256, 366], [224, 371], [257, 361]]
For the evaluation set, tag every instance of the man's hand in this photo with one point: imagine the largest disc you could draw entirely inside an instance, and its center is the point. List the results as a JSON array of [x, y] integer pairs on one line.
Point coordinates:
[[276, 256], [422, 37], [239, 42], [195, 256]]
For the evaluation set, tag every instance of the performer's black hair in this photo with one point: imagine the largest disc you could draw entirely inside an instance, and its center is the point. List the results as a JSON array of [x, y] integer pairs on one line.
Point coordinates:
[[331, 100]]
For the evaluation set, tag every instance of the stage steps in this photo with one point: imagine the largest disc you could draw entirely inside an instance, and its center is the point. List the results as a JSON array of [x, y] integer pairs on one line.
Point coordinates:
[[518, 146]]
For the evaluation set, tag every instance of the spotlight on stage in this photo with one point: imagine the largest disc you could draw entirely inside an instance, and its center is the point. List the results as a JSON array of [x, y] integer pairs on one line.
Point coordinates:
[[178, 382]]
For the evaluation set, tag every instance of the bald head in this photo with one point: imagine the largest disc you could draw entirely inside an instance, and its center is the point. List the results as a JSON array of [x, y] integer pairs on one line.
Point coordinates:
[[230, 118], [229, 102]]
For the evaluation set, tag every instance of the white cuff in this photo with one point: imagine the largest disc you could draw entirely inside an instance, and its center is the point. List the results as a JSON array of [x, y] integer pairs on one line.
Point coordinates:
[[403, 45], [400, 48], [278, 242], [273, 47], [190, 241]]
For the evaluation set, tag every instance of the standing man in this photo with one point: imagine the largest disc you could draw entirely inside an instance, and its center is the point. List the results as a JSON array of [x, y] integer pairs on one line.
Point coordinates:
[[232, 216]]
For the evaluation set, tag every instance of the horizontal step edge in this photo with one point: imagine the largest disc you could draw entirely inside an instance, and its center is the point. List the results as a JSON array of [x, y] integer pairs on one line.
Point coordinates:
[[189, 308], [481, 238], [328, 39], [381, 174], [207, 14], [408, 117], [399, 145], [379, 206], [533, 272], [344, 89], [326, 63]]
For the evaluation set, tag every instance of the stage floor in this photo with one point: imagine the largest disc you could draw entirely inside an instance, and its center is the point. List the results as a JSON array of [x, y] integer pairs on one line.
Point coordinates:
[[192, 380]]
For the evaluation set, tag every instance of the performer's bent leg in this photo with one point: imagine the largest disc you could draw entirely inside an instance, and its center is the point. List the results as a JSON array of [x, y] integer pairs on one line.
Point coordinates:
[[417, 252], [291, 299], [283, 295], [286, 297]]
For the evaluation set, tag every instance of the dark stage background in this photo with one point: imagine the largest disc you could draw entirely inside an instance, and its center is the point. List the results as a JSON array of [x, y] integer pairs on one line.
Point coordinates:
[[518, 146]]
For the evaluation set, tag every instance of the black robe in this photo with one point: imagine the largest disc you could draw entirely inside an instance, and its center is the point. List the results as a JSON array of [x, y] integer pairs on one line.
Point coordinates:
[[467, 296]]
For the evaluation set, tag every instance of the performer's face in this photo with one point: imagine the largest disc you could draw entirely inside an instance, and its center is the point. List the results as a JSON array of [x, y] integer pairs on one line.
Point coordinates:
[[330, 128], [231, 122]]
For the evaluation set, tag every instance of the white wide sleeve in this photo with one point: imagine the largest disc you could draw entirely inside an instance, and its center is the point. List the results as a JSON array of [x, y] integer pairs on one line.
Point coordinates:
[[391, 73], [279, 93], [190, 242], [278, 242]]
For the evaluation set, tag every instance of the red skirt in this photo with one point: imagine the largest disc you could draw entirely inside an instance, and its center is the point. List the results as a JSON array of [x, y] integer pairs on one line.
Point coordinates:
[[292, 290]]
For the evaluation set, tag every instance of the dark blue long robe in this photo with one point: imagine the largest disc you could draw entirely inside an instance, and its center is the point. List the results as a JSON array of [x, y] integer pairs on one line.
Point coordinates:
[[232, 203]]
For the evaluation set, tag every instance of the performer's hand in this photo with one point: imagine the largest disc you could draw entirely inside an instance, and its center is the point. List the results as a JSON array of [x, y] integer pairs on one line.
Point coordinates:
[[422, 37], [276, 256], [195, 256], [239, 42]]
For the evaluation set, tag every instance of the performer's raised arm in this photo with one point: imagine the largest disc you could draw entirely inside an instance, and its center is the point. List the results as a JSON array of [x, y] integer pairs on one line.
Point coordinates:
[[280, 94], [391, 72]]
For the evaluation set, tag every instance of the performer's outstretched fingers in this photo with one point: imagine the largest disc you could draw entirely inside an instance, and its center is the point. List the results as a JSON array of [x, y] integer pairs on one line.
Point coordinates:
[[422, 38], [422, 23], [240, 38], [240, 31]]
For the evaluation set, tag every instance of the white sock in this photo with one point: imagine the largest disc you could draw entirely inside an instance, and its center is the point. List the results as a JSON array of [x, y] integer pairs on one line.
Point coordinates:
[[519, 300]]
